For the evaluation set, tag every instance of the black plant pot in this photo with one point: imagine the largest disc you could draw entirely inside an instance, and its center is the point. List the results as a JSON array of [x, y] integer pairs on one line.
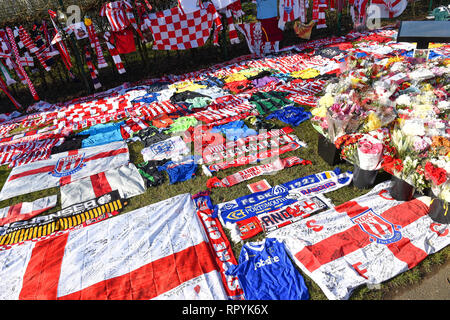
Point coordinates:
[[328, 151], [439, 211], [401, 190], [363, 179]]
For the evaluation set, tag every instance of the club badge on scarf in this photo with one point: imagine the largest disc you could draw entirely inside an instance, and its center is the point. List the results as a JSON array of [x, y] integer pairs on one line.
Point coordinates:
[[281, 195]]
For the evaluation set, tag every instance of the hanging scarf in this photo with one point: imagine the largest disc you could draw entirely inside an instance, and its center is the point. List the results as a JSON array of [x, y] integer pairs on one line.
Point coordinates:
[[114, 54], [9, 79], [22, 70], [26, 60], [95, 43], [32, 48], [93, 71]]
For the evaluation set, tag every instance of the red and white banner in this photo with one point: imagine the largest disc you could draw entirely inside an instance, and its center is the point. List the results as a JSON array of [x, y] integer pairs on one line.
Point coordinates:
[[26, 210], [63, 168], [157, 252], [126, 179], [256, 171], [367, 240]]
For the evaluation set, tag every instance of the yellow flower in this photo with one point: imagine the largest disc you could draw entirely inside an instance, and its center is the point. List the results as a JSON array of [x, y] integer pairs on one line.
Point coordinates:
[[319, 111], [394, 60], [373, 122], [326, 101], [428, 87]]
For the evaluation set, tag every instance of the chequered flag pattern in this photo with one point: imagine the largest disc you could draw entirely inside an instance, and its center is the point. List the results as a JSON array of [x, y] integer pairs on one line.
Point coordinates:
[[173, 30]]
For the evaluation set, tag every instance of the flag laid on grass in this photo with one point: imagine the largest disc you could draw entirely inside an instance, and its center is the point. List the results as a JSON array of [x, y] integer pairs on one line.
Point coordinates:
[[157, 252], [367, 240], [26, 210], [126, 179], [63, 168]]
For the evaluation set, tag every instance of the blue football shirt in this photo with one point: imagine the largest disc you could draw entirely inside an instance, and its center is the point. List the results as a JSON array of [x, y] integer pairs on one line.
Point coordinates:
[[265, 272]]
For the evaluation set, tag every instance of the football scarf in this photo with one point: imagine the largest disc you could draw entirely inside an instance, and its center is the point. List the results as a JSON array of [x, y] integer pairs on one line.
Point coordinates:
[[116, 13], [95, 43], [63, 51], [26, 60], [4, 88], [252, 172], [303, 208], [45, 51], [126, 179], [263, 145], [32, 48], [7, 75], [173, 30], [26, 210], [19, 64], [219, 243], [64, 167], [367, 240], [232, 33], [79, 214], [114, 53], [65, 266], [256, 155], [282, 195], [92, 70]]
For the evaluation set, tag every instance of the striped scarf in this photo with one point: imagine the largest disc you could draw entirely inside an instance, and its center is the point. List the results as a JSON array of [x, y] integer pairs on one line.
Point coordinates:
[[60, 44], [26, 60], [114, 54], [234, 38], [95, 44], [22, 70], [32, 48], [93, 71]]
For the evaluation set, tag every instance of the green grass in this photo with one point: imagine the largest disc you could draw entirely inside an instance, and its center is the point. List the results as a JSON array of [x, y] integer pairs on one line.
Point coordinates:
[[159, 63], [307, 134]]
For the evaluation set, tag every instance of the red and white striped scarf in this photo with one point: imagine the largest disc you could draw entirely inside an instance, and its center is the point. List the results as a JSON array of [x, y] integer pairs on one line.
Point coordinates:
[[95, 44], [92, 70], [22, 70], [4, 88], [114, 53], [32, 48]]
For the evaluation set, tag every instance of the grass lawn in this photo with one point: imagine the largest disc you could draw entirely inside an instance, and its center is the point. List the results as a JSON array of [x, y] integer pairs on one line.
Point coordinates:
[[307, 134]]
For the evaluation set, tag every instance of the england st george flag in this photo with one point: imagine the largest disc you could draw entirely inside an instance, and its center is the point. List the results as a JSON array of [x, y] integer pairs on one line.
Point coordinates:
[[160, 251], [126, 179], [63, 168], [366, 240]]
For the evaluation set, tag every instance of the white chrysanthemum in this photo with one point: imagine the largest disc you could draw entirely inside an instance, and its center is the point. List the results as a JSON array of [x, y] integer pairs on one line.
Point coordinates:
[[413, 128], [404, 99]]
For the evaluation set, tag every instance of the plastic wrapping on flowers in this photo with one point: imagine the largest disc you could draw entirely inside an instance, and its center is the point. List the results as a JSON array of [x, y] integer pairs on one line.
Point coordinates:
[[401, 101]]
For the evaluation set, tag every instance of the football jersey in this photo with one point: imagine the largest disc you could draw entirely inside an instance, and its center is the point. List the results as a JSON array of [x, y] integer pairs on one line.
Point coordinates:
[[265, 272]]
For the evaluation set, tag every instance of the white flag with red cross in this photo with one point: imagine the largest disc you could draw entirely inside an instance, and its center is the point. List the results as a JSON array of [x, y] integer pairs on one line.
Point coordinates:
[[367, 240], [63, 168]]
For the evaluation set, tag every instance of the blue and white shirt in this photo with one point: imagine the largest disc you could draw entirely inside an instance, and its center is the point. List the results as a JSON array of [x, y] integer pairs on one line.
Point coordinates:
[[265, 272]]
